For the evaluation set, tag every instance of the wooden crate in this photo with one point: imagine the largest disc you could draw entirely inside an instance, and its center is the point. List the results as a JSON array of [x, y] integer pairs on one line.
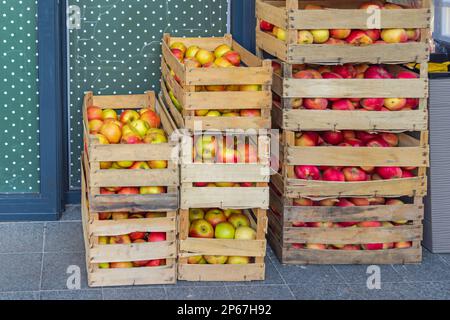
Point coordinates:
[[289, 88], [282, 234], [96, 153], [228, 197], [96, 253], [256, 72], [289, 16], [223, 247], [411, 152]]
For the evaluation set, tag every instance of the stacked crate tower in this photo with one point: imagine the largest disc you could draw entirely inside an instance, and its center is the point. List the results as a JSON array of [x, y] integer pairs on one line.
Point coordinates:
[[129, 191], [353, 171], [221, 180]]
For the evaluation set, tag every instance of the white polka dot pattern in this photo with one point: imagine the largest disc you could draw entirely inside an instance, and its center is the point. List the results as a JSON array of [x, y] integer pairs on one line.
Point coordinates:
[[19, 97], [117, 49]]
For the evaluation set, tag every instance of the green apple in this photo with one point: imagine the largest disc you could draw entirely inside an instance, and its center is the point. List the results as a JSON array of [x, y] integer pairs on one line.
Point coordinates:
[[224, 230], [238, 260], [196, 214], [140, 127], [245, 233], [239, 220], [216, 259]]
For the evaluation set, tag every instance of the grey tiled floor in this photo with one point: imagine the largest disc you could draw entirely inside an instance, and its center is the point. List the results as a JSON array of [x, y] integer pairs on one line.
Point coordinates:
[[34, 258]]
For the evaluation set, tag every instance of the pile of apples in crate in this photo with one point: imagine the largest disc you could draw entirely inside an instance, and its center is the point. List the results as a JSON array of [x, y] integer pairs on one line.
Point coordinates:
[[351, 202], [220, 224], [351, 71], [130, 127], [349, 138], [349, 36], [222, 57], [135, 237]]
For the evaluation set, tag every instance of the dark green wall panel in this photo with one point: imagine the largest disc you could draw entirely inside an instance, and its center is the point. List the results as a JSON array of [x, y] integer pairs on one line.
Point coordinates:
[[19, 98], [117, 49]]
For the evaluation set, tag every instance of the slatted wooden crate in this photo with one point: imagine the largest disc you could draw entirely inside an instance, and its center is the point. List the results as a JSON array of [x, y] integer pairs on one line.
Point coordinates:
[[96, 153], [283, 236], [255, 249], [288, 88], [258, 173], [411, 152], [97, 254], [289, 15], [255, 72]]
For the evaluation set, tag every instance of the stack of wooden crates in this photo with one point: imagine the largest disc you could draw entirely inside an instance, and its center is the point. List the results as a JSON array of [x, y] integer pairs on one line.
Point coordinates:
[[117, 264], [288, 241], [180, 92]]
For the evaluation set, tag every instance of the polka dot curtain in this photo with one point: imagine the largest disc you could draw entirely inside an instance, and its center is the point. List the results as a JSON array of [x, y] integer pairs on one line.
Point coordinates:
[[116, 50], [19, 97]]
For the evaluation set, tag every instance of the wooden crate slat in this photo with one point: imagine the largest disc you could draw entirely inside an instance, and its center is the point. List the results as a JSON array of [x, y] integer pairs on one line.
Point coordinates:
[[135, 152], [323, 120], [127, 277], [254, 197], [358, 156], [229, 76], [355, 88], [248, 272], [227, 100], [390, 188], [342, 236], [357, 19], [220, 247], [133, 252], [392, 256], [224, 173], [135, 178], [119, 227]]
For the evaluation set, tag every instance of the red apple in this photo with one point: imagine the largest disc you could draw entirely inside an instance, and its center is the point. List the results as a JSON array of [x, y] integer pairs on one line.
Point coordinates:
[[340, 33], [372, 246], [359, 38], [389, 172], [354, 174], [303, 202], [137, 235], [201, 229], [215, 216], [343, 105], [307, 139], [307, 74], [374, 34], [370, 224], [94, 113], [307, 172], [372, 104], [157, 237], [377, 72], [333, 174], [233, 57], [354, 143], [377, 143], [315, 104], [346, 71], [266, 26], [333, 137], [129, 190]]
